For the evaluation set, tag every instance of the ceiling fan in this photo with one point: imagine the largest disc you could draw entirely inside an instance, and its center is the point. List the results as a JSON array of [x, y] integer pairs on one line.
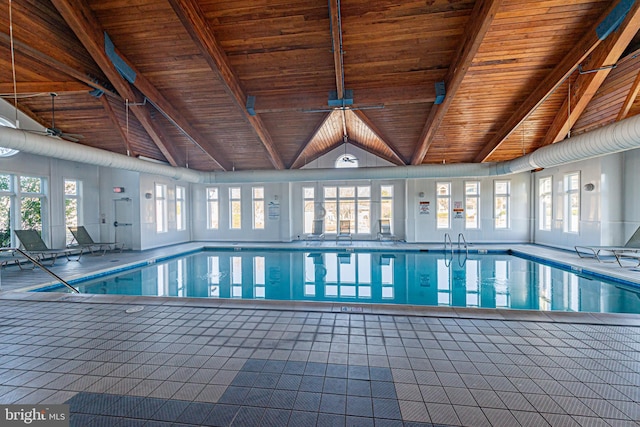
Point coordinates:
[[53, 130]]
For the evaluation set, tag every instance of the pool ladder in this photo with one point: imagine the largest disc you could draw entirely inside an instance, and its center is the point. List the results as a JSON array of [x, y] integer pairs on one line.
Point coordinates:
[[39, 264], [462, 243]]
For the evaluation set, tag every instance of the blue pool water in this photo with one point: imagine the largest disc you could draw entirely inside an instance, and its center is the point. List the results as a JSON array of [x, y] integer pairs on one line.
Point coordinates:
[[417, 278]]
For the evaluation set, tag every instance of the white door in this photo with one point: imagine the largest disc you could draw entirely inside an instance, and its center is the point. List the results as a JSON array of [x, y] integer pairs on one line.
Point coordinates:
[[124, 221]]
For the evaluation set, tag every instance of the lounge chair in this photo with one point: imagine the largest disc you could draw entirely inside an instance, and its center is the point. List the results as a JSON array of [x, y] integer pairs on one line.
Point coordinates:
[[317, 232], [33, 244], [7, 257], [632, 246], [384, 231], [344, 230], [84, 241]]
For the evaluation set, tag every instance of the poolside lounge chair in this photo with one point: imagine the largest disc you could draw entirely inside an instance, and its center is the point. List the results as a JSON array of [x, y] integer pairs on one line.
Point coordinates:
[[84, 241], [384, 230], [344, 230], [632, 246], [7, 257], [317, 232], [33, 244]]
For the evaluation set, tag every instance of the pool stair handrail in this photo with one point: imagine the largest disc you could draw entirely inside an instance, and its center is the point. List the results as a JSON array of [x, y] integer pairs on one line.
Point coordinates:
[[39, 264], [447, 241], [462, 240]]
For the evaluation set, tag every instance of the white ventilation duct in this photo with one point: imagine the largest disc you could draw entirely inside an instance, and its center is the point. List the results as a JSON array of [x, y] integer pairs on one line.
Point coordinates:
[[614, 138]]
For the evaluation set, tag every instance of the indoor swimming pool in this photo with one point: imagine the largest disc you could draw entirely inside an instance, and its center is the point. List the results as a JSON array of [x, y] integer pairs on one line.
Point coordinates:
[[494, 280]]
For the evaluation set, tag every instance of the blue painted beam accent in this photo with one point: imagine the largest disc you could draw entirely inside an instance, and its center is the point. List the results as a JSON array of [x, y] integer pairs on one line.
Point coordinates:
[[614, 19], [251, 104], [335, 102], [440, 93], [125, 71]]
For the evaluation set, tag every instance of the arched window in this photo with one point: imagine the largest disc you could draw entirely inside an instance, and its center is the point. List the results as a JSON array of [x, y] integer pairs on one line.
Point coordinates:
[[7, 152], [347, 161]]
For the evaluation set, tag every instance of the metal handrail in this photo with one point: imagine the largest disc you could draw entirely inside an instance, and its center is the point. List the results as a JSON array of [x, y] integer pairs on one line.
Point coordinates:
[[448, 237], [464, 241], [39, 264]]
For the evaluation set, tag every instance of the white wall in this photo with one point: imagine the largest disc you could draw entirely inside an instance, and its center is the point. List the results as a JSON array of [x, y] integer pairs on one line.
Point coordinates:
[[609, 214], [422, 227], [603, 217]]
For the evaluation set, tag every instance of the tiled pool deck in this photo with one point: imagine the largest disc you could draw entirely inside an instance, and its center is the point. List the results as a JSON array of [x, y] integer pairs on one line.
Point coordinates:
[[196, 362]]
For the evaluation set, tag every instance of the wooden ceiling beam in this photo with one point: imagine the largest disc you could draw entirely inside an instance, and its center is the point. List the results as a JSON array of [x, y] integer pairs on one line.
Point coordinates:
[[603, 58], [36, 55], [304, 146], [22, 88], [86, 27], [192, 18], [481, 18], [336, 45], [630, 99], [571, 60], [116, 123], [171, 113], [364, 98], [396, 157]]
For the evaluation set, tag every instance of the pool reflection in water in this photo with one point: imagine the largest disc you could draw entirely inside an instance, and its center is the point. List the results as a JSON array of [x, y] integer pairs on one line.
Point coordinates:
[[434, 279]]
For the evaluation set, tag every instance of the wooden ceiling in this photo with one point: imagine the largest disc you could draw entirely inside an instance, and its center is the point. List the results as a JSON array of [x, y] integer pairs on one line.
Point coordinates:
[[518, 74]]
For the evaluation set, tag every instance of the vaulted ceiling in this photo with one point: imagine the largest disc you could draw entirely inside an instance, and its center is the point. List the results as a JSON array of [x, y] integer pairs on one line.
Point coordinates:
[[274, 84]]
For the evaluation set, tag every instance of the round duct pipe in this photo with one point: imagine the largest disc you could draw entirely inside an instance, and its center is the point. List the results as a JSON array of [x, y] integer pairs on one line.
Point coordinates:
[[614, 138]]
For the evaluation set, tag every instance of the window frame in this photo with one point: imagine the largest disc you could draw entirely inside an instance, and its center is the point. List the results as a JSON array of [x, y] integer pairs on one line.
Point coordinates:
[[572, 194], [545, 203], [181, 205], [497, 218], [212, 195], [440, 198], [235, 208], [162, 217], [258, 205], [472, 196], [77, 197]]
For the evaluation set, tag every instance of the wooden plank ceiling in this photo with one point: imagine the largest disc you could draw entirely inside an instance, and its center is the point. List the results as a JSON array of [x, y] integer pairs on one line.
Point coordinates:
[[518, 74]]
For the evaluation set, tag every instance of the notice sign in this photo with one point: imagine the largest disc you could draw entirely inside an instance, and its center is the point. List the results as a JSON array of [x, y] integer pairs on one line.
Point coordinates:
[[34, 415], [274, 210], [424, 208], [458, 210]]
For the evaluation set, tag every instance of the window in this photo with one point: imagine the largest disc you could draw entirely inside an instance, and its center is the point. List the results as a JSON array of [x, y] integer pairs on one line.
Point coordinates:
[[572, 202], [6, 201], [212, 208], [71, 206], [545, 200], [351, 203], [258, 208], [181, 217], [443, 202], [308, 200], [501, 204], [347, 161], [235, 207], [162, 225], [386, 203], [31, 202], [347, 205], [472, 205]]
